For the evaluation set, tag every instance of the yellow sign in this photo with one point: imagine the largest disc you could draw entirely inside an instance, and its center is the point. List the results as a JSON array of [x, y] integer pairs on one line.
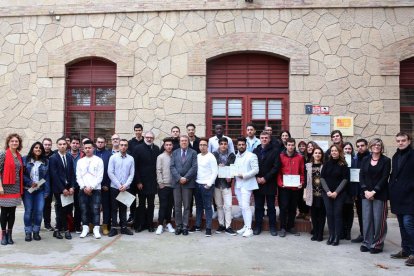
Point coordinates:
[[345, 125]]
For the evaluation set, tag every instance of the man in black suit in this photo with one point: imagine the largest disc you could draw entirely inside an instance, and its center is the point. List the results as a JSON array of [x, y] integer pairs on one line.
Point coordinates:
[[145, 157], [62, 179], [183, 173]]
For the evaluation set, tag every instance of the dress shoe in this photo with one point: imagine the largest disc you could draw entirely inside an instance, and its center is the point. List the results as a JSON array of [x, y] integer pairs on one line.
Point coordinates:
[[36, 236], [178, 231], [400, 255], [57, 235], [151, 229], [10, 237], [282, 233], [68, 236], [358, 239], [375, 250], [113, 232], [313, 238], [257, 231], [410, 261], [363, 248], [28, 237], [49, 227], [273, 232], [293, 232], [126, 231], [335, 241], [185, 232], [330, 240]]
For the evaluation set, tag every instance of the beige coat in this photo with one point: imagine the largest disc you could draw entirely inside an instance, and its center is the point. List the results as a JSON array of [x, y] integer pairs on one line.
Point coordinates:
[[308, 192]]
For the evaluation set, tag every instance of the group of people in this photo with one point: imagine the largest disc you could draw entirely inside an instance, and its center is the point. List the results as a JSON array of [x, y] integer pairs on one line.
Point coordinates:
[[84, 177]]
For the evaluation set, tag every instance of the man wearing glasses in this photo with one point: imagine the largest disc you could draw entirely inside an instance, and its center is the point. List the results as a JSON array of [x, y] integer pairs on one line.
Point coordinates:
[[145, 157], [115, 143]]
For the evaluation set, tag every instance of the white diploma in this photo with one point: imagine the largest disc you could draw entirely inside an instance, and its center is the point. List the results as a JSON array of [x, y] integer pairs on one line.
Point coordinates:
[[291, 180], [348, 159], [234, 170], [39, 184], [66, 200], [354, 175], [224, 172], [125, 198]]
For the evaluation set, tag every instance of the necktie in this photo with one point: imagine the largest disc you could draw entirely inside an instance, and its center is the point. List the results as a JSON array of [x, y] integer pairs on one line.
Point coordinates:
[[64, 161], [183, 156]]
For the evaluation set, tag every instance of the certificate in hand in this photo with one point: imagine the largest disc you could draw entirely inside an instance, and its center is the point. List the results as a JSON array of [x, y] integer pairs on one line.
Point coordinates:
[[224, 172], [291, 180], [125, 198], [354, 175], [39, 184], [66, 200]]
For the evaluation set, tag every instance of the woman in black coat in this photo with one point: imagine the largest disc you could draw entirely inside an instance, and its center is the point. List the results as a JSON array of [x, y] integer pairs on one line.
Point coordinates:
[[374, 174]]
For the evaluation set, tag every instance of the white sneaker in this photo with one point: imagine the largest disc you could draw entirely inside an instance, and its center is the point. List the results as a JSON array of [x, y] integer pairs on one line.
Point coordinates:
[[85, 231], [248, 233], [159, 230], [96, 233], [170, 228], [242, 230]]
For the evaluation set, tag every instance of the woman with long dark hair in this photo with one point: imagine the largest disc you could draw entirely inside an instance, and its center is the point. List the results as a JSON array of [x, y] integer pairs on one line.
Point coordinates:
[[334, 178], [11, 185], [36, 189]]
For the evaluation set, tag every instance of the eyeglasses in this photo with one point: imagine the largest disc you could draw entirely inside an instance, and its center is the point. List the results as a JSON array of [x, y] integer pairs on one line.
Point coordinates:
[[149, 137], [114, 138], [203, 145]]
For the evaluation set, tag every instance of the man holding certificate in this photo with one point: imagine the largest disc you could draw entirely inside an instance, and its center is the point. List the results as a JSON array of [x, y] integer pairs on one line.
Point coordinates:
[[121, 170], [290, 179]]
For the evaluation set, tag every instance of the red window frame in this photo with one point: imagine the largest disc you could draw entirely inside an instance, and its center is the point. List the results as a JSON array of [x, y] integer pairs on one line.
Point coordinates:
[[407, 95]]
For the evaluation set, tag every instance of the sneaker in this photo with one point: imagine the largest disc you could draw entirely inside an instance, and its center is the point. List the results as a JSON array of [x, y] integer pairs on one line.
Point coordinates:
[[220, 229], [282, 233], [160, 229], [242, 230], [194, 229], [126, 231], [96, 233], [293, 232], [85, 231], [170, 228], [208, 232], [400, 255], [248, 233], [410, 261], [358, 239], [230, 231]]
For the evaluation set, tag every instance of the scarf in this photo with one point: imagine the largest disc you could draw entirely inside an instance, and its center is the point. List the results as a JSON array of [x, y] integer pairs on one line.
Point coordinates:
[[9, 174]]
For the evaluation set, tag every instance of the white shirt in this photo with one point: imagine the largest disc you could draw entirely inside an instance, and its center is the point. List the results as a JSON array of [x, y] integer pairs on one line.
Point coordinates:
[[207, 169], [213, 144], [89, 172]]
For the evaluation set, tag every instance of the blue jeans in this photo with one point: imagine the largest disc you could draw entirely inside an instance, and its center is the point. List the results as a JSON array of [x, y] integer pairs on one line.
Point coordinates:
[[406, 223], [203, 199], [90, 207], [33, 210]]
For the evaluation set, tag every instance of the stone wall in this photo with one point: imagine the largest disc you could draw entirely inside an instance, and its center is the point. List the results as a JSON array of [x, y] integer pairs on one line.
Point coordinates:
[[340, 57]]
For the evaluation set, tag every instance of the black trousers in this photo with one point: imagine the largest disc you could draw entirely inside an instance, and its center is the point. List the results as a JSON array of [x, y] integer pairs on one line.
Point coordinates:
[[145, 210], [318, 215], [348, 218], [47, 210], [259, 202], [288, 201], [166, 198], [77, 216], [62, 214], [303, 208], [358, 206], [115, 206], [334, 209], [7, 217]]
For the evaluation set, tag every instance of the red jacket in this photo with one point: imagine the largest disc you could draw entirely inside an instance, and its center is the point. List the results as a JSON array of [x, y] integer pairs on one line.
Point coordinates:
[[291, 165]]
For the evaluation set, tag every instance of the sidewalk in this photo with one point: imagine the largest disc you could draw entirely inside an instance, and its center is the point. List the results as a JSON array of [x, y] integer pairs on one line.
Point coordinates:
[[148, 254]]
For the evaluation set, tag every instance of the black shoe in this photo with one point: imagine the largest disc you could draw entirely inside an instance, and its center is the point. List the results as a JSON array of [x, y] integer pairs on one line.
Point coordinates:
[[400, 255], [57, 235], [49, 227], [273, 232], [36, 236], [375, 250], [195, 229], [68, 236], [220, 229], [185, 232], [410, 261], [4, 237], [208, 232], [126, 231], [282, 233], [230, 231], [178, 231], [293, 232], [358, 239], [257, 231], [130, 220], [320, 238], [335, 241], [330, 240], [314, 238], [10, 237], [113, 232], [151, 229], [363, 248], [28, 237]]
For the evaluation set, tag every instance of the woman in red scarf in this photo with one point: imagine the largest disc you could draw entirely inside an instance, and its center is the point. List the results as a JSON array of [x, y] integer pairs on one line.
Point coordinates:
[[11, 185]]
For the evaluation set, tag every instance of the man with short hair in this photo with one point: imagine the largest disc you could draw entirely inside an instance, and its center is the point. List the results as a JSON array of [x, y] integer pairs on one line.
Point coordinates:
[[63, 179], [291, 163], [222, 190], [121, 169], [355, 187], [76, 154], [401, 192], [251, 139], [145, 158], [89, 175], [213, 141], [268, 158], [273, 140], [183, 172], [194, 140], [207, 171], [137, 140], [104, 154], [47, 210], [337, 139], [245, 182], [165, 189]]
